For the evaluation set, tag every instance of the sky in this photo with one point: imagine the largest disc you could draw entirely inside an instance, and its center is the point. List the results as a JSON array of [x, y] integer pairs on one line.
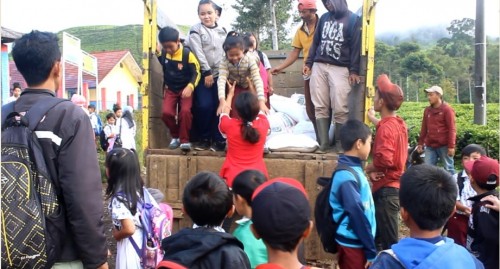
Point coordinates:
[[391, 16]]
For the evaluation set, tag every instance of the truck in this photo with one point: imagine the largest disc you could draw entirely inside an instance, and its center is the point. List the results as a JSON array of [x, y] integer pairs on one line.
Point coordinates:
[[169, 170]]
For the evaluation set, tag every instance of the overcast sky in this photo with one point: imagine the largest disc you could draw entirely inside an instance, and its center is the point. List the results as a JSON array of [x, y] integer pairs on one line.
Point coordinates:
[[392, 15]]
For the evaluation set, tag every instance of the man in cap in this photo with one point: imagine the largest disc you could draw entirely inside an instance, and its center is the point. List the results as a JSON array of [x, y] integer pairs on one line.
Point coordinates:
[[482, 235], [390, 151], [333, 64], [438, 132], [302, 42]]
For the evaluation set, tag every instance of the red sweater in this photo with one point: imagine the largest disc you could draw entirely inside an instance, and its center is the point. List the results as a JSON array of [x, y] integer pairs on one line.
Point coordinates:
[[390, 151], [438, 127]]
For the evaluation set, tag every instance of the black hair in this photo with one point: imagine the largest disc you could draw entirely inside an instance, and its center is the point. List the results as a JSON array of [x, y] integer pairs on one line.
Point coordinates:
[[129, 118], [351, 131], [116, 107], [429, 195], [124, 180], [16, 85], [110, 115], [91, 106], [248, 42], [207, 199], [216, 7], [472, 148], [287, 246], [168, 34], [234, 40], [247, 106], [35, 55], [246, 182]]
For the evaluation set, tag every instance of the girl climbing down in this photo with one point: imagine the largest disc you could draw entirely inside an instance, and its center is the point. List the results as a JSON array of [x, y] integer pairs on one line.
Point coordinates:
[[245, 135], [236, 68]]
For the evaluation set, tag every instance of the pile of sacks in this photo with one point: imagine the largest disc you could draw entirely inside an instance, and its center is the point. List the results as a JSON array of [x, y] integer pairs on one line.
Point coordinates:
[[291, 129]]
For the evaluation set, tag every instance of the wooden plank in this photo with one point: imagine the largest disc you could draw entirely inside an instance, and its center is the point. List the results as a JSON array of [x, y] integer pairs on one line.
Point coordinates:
[[273, 155], [152, 174], [159, 136]]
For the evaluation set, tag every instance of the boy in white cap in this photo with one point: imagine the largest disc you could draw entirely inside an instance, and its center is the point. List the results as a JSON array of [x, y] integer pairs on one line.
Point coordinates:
[[438, 132]]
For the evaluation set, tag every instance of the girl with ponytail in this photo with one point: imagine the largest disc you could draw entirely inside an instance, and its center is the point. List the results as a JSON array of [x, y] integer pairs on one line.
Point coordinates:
[[246, 135]]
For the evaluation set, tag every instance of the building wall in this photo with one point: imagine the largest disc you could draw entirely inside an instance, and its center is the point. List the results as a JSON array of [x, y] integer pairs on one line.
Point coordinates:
[[5, 73], [119, 83]]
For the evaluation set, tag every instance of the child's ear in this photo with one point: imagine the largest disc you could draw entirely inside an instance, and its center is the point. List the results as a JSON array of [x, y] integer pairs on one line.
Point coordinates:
[[404, 214], [308, 231], [252, 228], [359, 144], [230, 212]]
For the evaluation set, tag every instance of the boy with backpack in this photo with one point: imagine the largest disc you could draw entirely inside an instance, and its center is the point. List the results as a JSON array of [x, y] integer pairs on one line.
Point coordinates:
[[109, 133], [207, 200], [181, 74], [457, 224], [351, 199], [59, 222], [427, 194], [482, 235]]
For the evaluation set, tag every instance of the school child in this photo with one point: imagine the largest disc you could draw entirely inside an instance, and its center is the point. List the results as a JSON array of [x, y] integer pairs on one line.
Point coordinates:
[[353, 200], [236, 67], [457, 224], [243, 187], [427, 195], [482, 235], [246, 135], [95, 120], [207, 201], [264, 65], [110, 130], [125, 192], [117, 109], [127, 128], [205, 40], [281, 217], [181, 74]]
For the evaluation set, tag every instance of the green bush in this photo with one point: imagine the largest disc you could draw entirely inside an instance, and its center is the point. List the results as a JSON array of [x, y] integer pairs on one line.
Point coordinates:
[[467, 132]]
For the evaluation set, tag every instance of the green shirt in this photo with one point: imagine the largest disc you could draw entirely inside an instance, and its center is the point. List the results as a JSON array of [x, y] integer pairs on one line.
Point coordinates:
[[253, 247]]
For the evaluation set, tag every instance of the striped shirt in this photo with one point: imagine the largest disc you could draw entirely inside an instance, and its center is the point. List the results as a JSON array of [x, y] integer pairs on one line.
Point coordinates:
[[247, 67]]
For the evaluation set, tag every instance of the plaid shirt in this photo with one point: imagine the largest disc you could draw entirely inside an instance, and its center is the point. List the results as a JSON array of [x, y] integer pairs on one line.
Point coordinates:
[[247, 67]]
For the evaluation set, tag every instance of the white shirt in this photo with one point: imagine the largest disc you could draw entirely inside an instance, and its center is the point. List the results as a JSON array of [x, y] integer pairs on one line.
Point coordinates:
[[127, 134], [467, 191]]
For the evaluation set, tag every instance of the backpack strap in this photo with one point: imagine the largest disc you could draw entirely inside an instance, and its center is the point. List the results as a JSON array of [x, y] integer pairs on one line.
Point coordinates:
[[346, 167], [391, 253], [185, 56], [6, 110], [460, 183], [36, 113], [261, 57]]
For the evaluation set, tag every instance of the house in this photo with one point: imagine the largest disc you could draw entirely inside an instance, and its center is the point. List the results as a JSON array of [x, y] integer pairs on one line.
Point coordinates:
[[119, 77], [8, 36]]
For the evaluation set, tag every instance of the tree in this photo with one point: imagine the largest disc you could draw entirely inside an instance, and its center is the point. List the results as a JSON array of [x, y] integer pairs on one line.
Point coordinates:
[[462, 38]]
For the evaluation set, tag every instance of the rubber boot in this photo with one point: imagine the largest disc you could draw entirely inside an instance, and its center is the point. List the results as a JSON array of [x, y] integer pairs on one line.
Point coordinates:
[[323, 125], [316, 131], [336, 138]]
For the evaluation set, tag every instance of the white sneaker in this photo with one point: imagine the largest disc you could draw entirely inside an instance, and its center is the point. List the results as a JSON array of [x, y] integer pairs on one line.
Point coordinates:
[[186, 146], [174, 143]]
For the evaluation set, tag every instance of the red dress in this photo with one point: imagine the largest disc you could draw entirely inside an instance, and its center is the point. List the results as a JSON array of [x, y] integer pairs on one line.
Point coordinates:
[[241, 154]]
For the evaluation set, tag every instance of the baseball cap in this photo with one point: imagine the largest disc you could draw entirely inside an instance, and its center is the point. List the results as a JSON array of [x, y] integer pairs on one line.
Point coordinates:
[[435, 88], [390, 92], [484, 170], [307, 4], [280, 210]]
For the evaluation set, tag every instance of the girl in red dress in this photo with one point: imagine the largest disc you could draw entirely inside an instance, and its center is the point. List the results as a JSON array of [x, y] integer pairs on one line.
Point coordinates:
[[245, 136]]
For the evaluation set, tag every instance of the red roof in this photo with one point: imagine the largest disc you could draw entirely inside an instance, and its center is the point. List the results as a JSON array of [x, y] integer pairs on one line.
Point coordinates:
[[106, 61]]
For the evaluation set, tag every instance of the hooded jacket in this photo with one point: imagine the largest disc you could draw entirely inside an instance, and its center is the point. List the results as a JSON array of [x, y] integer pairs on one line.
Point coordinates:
[[206, 43], [204, 248], [336, 41], [412, 253]]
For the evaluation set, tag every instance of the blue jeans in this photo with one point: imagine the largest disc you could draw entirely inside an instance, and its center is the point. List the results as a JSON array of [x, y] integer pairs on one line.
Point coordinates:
[[433, 154], [205, 120]]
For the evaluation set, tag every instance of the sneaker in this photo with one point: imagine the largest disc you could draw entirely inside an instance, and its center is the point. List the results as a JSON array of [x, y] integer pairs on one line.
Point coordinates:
[[174, 143], [218, 146], [186, 146], [203, 145]]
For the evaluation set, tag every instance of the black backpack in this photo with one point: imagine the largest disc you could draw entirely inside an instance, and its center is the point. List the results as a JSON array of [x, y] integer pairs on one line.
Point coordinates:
[[103, 140], [31, 209], [323, 212]]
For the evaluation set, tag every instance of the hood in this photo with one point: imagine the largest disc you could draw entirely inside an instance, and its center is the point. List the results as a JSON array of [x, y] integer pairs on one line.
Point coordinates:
[[189, 245], [415, 253], [340, 7]]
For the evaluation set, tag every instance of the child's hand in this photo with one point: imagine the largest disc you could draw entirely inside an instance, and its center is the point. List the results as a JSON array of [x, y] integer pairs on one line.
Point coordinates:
[[495, 203], [231, 88], [222, 104], [209, 81], [263, 107], [186, 93], [271, 90], [376, 176]]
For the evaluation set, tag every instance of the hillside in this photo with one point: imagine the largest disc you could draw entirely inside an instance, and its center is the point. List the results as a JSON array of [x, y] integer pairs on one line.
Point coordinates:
[[106, 37]]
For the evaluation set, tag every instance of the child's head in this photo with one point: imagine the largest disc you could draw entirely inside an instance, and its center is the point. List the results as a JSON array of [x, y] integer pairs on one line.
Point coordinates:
[[356, 139], [387, 94], [207, 199], [244, 185], [124, 175], [234, 47], [483, 173], [472, 152], [427, 196], [38, 57], [91, 108], [16, 89], [118, 110], [111, 118], [208, 12], [247, 106], [281, 214], [169, 39], [251, 41]]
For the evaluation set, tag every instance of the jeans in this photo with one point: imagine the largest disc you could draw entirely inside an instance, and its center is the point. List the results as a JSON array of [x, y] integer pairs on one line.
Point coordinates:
[[432, 155], [386, 201], [68, 265]]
